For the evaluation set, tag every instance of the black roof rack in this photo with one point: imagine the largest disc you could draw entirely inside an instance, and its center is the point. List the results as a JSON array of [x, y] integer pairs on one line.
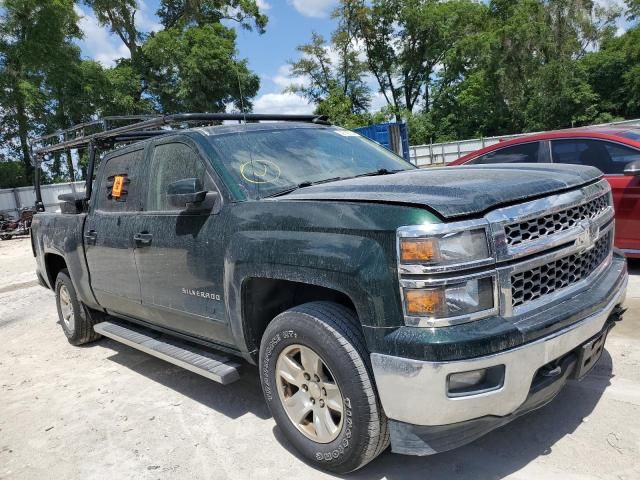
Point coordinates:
[[139, 127]]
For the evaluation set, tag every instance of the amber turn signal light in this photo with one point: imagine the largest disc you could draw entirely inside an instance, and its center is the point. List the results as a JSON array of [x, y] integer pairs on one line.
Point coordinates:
[[418, 250], [424, 301]]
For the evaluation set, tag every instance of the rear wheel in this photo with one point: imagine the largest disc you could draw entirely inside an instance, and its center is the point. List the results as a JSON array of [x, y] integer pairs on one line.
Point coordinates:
[[77, 320], [317, 382]]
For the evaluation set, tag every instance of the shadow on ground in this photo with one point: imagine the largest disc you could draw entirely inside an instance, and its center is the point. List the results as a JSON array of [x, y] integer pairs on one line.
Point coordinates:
[[233, 400], [498, 454]]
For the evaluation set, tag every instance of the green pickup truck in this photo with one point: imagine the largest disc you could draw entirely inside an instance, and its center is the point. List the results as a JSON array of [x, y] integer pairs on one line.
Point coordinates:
[[381, 303]]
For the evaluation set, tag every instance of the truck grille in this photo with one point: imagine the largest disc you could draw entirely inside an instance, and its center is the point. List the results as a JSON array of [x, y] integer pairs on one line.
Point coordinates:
[[554, 222], [544, 279]]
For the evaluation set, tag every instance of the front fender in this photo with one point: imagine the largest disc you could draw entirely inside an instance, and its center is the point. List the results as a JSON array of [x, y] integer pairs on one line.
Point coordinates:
[[354, 265]]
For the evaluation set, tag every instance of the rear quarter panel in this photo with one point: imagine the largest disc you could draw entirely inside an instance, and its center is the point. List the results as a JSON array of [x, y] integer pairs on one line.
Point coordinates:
[[62, 235]]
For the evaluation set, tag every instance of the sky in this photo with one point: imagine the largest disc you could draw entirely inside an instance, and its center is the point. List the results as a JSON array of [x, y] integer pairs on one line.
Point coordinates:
[[290, 24]]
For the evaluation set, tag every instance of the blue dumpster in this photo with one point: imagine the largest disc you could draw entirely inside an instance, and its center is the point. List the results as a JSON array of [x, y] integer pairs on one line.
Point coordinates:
[[393, 136]]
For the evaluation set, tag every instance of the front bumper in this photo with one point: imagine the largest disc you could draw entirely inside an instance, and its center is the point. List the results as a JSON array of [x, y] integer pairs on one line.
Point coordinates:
[[415, 392]]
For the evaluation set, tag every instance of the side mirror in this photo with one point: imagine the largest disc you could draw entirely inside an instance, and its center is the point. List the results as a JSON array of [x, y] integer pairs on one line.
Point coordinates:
[[188, 195], [185, 192], [632, 169]]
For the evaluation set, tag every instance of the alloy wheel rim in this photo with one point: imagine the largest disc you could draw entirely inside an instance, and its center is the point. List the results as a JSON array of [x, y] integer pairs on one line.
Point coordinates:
[[66, 308], [309, 393]]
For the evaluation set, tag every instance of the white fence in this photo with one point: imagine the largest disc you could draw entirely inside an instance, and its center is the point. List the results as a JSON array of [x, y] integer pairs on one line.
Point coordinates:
[[12, 199], [443, 153]]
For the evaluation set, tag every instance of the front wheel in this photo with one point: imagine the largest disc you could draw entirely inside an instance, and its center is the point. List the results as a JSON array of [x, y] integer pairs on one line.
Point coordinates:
[[317, 382]]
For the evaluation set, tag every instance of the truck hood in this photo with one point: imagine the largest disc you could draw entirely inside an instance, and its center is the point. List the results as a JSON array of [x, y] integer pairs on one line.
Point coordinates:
[[455, 191]]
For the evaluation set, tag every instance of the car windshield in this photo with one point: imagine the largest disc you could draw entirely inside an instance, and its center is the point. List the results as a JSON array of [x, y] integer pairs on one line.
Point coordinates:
[[267, 162]]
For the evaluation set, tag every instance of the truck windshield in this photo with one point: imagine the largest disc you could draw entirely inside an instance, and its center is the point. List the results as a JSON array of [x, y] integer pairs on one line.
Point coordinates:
[[267, 162]]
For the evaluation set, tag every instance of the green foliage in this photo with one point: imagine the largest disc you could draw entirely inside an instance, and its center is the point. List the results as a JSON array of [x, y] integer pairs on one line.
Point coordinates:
[[343, 79], [460, 68], [13, 174], [201, 12], [339, 108], [195, 69], [35, 43], [46, 86]]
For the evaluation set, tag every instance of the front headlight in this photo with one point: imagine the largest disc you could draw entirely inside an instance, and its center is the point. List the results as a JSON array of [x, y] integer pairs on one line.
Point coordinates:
[[441, 303], [446, 249]]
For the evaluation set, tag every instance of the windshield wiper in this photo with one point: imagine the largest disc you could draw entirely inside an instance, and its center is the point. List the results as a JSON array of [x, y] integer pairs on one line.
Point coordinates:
[[304, 184], [381, 171]]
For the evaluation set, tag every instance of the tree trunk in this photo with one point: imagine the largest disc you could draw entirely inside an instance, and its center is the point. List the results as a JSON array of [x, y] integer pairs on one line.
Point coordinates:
[[72, 177], [23, 132]]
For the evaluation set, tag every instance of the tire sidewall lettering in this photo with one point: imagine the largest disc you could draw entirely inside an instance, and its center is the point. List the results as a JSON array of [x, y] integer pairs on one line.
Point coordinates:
[[273, 343]]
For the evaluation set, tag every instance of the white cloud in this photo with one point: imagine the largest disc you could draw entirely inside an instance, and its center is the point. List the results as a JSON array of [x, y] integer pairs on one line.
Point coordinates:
[[98, 43], [263, 5], [282, 103], [283, 78], [146, 20], [314, 8], [377, 102]]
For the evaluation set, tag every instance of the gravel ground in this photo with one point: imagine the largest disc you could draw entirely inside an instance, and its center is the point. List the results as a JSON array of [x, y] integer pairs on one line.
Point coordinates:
[[108, 411]]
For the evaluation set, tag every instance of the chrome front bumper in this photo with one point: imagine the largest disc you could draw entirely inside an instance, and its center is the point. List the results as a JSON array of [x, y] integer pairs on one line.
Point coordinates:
[[415, 392]]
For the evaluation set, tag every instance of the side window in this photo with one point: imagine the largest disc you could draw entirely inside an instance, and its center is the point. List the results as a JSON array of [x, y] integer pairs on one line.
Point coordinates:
[[620, 155], [119, 185], [522, 153], [608, 157], [173, 162]]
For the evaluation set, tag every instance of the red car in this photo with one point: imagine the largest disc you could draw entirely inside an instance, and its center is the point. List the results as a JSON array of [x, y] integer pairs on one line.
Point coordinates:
[[614, 150]]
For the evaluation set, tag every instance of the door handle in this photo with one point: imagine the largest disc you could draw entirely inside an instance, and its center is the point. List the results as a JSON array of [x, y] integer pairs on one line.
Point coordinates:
[[143, 239], [91, 236]]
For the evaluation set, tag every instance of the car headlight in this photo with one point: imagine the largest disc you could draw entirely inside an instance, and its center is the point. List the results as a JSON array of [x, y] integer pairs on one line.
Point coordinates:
[[446, 249], [444, 304]]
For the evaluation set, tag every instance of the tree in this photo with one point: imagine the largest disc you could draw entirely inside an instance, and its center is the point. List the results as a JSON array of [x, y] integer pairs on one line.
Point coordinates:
[[13, 175], [201, 12], [120, 17], [189, 65], [195, 69], [34, 36], [324, 77], [337, 106], [614, 73]]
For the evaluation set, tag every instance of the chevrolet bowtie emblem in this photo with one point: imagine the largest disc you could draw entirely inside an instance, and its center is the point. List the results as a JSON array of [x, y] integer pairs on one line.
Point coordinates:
[[589, 232]]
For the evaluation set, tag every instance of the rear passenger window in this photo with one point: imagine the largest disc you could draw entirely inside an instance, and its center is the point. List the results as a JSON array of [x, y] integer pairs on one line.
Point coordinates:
[[610, 158], [620, 157], [522, 153], [171, 163], [119, 186]]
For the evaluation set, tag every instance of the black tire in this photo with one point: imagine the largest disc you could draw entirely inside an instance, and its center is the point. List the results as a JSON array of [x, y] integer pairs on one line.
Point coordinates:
[[332, 331], [80, 331]]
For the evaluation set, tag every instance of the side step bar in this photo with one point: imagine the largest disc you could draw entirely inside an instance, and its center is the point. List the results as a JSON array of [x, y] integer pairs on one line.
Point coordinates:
[[214, 366]]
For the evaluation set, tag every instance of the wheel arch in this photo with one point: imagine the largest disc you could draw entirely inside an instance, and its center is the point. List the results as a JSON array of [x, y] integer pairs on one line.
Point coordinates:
[[263, 298], [54, 263]]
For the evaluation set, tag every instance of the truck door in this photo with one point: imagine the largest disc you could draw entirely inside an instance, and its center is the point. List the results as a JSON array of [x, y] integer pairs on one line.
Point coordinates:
[[180, 253], [108, 234]]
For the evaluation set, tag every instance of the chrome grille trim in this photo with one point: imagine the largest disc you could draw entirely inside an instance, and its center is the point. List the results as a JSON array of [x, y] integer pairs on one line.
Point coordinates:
[[499, 219], [529, 285], [547, 225]]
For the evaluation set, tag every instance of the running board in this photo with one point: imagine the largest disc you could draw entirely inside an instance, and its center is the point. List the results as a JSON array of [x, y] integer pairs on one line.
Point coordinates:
[[190, 357]]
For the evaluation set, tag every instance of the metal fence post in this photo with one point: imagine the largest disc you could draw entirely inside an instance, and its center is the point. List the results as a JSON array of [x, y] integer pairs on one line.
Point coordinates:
[[16, 199]]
